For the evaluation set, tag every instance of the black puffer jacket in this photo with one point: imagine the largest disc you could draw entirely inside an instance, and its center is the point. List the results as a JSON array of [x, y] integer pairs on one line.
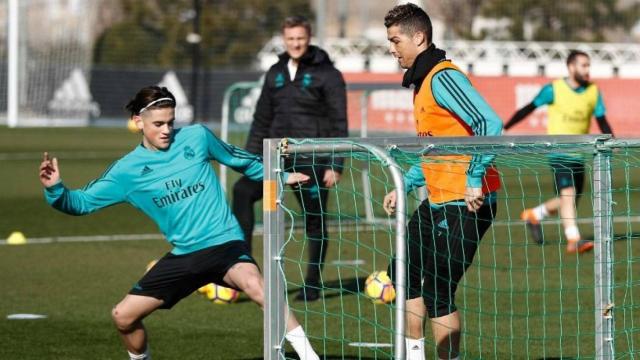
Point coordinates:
[[314, 104]]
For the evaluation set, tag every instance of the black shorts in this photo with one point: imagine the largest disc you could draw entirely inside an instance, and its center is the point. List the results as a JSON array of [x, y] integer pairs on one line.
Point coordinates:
[[441, 244], [568, 173], [176, 276]]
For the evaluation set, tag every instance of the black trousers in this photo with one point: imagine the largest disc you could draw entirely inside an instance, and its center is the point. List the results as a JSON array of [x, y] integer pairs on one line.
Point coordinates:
[[311, 196]]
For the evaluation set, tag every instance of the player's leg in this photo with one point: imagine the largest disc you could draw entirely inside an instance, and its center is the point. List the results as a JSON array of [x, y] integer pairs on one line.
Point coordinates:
[[127, 316], [166, 283], [416, 313], [419, 236], [569, 197], [455, 241], [245, 193], [534, 216], [312, 198], [246, 277], [446, 334]]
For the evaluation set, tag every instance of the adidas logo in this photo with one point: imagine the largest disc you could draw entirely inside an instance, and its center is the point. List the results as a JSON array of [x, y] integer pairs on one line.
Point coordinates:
[[146, 170], [415, 347], [73, 97], [443, 224], [244, 257]]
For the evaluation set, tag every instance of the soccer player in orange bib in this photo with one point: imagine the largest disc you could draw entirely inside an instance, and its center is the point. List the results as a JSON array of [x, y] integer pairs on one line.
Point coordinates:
[[445, 231]]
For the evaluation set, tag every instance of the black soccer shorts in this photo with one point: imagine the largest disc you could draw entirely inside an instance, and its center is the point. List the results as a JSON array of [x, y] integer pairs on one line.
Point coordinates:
[[441, 243], [176, 276], [568, 173]]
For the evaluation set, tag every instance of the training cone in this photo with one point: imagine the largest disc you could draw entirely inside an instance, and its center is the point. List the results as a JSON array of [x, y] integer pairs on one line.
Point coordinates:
[[16, 238]]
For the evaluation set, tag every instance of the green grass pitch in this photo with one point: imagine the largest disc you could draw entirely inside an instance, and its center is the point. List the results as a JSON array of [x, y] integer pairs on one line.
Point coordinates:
[[518, 300]]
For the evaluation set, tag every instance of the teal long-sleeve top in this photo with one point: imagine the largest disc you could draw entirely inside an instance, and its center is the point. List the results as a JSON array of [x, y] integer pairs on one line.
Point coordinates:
[[177, 188]]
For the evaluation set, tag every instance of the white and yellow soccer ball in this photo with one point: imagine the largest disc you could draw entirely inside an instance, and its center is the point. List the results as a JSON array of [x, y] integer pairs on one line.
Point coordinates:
[[379, 288], [219, 294], [151, 264], [132, 126]]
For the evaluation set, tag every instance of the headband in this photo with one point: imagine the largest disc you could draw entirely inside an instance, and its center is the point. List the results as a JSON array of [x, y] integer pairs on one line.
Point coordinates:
[[153, 103]]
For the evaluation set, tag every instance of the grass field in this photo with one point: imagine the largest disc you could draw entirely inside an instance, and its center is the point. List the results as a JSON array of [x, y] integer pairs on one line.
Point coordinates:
[[518, 300]]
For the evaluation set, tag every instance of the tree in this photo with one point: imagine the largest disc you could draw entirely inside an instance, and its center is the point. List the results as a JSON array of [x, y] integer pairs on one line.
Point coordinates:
[[154, 32], [567, 20]]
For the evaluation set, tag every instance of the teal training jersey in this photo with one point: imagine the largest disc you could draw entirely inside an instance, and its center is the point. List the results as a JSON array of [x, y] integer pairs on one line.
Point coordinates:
[[177, 188]]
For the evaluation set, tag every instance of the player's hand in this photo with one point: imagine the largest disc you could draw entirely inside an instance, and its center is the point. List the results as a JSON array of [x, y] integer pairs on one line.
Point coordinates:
[[331, 178], [49, 172], [474, 198], [389, 202], [297, 178]]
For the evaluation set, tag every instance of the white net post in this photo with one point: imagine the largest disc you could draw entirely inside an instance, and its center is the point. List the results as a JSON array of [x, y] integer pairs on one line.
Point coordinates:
[[50, 51]]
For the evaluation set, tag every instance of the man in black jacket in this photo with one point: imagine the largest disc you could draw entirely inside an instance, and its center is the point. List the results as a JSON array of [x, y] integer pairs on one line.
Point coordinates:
[[303, 96]]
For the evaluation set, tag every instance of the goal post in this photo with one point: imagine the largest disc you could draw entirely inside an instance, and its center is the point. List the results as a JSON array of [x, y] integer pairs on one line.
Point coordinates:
[[518, 298], [274, 234], [49, 71]]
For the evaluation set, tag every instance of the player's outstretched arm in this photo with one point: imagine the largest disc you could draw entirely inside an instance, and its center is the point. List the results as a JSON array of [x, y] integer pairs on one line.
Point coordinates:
[[604, 126], [49, 171], [520, 115]]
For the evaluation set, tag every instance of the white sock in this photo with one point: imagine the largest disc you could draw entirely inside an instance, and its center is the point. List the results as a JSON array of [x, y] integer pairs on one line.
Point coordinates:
[[540, 212], [415, 348], [298, 339], [144, 356], [572, 233]]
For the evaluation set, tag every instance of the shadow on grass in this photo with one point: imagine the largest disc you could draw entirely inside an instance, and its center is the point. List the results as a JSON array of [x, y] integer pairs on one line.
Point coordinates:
[[331, 289], [336, 288], [294, 356]]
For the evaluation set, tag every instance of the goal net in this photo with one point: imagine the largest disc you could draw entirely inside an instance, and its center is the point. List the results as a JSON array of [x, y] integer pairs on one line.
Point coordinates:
[[518, 299]]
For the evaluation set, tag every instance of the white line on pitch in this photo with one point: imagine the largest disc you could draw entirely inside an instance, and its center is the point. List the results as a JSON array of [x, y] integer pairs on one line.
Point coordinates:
[[348, 262], [81, 155], [369, 344], [61, 239]]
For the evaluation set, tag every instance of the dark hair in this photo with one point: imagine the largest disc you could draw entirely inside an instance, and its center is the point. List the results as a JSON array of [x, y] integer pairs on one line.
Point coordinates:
[[573, 55], [146, 97], [411, 19], [295, 21]]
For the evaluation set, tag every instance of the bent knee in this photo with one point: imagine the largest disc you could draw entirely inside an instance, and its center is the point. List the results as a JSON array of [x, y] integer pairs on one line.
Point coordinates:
[[121, 320], [254, 286]]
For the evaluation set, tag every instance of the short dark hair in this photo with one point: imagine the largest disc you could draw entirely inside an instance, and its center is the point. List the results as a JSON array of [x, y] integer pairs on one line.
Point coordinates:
[[411, 19], [295, 21], [146, 97], [573, 55]]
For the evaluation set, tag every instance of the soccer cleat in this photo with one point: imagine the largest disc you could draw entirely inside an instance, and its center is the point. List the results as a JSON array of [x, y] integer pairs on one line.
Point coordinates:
[[579, 246], [308, 293], [533, 224]]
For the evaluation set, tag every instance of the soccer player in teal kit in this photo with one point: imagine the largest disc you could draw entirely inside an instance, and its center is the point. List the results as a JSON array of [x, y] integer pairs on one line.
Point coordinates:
[[169, 178]]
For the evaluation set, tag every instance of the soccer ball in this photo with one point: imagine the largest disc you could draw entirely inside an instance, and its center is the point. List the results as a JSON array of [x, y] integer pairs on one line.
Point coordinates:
[[219, 294], [132, 126], [378, 288]]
